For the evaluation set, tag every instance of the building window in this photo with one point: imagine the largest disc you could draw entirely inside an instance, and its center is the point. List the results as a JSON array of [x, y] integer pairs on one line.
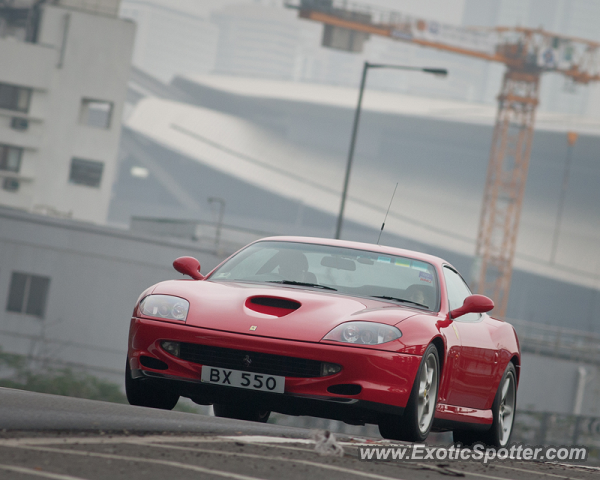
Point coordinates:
[[10, 158], [14, 98], [95, 113], [86, 172], [11, 184], [28, 294]]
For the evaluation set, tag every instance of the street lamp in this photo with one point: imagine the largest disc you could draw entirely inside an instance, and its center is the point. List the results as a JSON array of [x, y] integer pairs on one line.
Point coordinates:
[[571, 139], [221, 203], [435, 71]]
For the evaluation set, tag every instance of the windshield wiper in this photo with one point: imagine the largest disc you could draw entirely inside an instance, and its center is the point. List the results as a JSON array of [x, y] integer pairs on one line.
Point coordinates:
[[302, 284], [403, 300]]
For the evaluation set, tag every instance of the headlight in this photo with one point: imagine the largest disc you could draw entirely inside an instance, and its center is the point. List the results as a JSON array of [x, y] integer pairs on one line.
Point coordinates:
[[165, 306], [363, 333]]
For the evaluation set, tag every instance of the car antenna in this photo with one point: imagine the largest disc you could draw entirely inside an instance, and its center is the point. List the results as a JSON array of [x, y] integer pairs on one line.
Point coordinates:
[[386, 214]]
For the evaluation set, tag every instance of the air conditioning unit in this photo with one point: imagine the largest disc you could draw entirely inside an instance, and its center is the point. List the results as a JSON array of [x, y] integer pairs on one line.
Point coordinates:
[[10, 184], [19, 123]]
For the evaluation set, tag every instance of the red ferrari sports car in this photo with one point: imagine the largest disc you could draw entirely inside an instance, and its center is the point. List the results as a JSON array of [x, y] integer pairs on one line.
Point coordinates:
[[342, 330]]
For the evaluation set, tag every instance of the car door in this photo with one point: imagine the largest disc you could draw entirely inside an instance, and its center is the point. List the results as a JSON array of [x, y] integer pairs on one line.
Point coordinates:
[[451, 361], [478, 358]]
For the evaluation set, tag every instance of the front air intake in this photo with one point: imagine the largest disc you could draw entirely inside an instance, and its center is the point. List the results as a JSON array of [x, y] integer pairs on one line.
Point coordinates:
[[275, 306], [345, 389], [155, 363]]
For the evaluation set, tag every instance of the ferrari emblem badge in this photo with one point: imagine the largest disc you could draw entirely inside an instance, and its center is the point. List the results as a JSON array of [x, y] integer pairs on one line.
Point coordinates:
[[247, 361], [253, 327]]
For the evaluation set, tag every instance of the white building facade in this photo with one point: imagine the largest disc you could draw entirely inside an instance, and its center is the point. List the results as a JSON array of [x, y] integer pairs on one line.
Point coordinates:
[[61, 104], [170, 41], [257, 41]]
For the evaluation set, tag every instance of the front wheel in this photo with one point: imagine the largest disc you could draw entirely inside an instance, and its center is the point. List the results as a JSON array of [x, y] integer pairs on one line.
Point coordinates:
[[241, 412], [142, 394], [416, 423]]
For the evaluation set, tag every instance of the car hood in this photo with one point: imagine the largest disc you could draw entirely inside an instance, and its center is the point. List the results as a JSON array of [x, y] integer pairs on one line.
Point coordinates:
[[226, 306]]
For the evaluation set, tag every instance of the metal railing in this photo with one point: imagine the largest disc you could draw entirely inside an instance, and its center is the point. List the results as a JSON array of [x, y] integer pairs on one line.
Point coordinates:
[[558, 342], [222, 238]]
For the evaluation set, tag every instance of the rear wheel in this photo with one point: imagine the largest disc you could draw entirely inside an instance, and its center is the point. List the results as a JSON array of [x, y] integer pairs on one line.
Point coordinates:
[[143, 394], [415, 424], [503, 410], [241, 412]]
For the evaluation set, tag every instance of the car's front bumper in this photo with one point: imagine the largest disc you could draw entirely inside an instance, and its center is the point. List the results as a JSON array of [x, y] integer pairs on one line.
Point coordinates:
[[385, 377]]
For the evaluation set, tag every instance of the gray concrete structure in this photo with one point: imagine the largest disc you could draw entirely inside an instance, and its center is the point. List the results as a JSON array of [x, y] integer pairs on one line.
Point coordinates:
[[553, 385], [95, 276]]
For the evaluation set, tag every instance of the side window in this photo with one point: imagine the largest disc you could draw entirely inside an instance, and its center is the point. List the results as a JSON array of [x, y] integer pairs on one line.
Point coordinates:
[[10, 158], [10, 161], [95, 113], [28, 294], [14, 98], [457, 292], [86, 172]]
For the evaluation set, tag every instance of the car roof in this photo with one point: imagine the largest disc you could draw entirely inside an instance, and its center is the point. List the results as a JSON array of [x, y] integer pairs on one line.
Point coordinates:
[[361, 246]]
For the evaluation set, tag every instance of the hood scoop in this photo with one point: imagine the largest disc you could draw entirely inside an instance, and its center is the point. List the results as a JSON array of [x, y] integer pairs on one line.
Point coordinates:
[[276, 306]]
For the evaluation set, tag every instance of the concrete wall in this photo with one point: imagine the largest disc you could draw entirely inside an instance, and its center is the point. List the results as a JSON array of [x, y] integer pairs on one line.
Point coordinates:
[[551, 385], [96, 275]]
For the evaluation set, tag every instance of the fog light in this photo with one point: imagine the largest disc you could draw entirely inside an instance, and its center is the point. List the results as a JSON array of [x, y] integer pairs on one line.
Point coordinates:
[[171, 347], [330, 369]]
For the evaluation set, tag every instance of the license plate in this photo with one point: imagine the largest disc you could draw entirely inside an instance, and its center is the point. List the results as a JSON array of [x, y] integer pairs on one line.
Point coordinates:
[[237, 378]]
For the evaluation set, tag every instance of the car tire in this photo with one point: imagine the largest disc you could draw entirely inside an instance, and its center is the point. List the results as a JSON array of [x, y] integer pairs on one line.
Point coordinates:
[[416, 423], [503, 410], [143, 394], [241, 412]]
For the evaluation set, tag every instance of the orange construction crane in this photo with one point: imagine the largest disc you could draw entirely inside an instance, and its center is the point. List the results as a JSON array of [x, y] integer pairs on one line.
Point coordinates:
[[527, 53]]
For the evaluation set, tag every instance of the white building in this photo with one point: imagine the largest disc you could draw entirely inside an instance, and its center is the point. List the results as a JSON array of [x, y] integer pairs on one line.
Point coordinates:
[[170, 41], [257, 41], [61, 102]]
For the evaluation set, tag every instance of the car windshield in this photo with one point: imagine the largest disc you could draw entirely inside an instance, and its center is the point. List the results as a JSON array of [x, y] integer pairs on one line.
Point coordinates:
[[335, 269]]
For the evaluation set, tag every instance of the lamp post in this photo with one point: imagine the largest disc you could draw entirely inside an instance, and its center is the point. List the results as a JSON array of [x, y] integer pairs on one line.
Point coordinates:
[[571, 139], [435, 71], [221, 203]]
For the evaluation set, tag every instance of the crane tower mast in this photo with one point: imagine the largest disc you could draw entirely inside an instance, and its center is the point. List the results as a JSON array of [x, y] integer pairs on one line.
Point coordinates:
[[527, 54]]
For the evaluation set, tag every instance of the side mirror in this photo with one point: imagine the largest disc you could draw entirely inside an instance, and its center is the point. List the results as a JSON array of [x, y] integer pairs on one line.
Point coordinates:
[[188, 266], [473, 304]]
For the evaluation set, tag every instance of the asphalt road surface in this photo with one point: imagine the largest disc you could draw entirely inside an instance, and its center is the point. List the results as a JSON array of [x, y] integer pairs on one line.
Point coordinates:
[[61, 438]]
